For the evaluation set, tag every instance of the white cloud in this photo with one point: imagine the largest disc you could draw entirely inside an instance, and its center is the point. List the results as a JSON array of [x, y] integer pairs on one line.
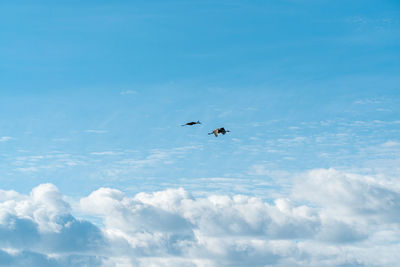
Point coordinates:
[[156, 157], [96, 131], [391, 144], [350, 194], [128, 92], [106, 153], [5, 138], [55, 160], [38, 230], [331, 218], [263, 170], [366, 101]]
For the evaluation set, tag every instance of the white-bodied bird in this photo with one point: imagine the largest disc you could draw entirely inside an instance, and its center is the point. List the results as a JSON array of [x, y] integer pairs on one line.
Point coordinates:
[[219, 131]]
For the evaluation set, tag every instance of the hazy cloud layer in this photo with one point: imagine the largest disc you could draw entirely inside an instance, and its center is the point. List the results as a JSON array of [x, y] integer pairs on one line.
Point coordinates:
[[330, 218]]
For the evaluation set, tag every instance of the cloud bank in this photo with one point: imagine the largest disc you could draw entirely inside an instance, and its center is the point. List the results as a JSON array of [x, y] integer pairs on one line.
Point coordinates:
[[330, 218]]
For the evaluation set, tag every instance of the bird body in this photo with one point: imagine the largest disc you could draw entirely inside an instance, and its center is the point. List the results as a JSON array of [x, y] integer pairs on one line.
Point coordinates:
[[191, 123]]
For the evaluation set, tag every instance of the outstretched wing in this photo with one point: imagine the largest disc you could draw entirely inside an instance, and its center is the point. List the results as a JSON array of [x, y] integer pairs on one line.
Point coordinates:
[[222, 130], [215, 132]]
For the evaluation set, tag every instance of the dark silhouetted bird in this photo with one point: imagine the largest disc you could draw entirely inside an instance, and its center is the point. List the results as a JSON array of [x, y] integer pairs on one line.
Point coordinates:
[[219, 131], [191, 123]]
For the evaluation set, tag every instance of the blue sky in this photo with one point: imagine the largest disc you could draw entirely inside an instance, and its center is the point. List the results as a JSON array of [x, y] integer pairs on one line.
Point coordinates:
[[92, 95]]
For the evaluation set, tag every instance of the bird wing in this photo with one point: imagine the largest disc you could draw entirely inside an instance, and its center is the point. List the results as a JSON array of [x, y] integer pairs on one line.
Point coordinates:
[[222, 130], [215, 132]]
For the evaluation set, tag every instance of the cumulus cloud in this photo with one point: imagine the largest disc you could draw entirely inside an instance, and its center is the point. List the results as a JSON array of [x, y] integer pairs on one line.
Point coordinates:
[[347, 194], [38, 230], [331, 218]]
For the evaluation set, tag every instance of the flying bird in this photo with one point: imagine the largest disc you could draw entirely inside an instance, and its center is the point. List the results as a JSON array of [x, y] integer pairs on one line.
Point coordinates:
[[219, 131], [191, 123]]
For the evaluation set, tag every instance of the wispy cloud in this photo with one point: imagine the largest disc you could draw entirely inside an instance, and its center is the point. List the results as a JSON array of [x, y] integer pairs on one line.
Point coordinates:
[[5, 138], [367, 101], [158, 156], [96, 131], [125, 163], [128, 92], [28, 169], [391, 144], [51, 161], [106, 153]]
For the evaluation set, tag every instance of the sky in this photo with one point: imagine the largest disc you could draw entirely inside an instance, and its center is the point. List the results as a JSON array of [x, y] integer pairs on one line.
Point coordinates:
[[96, 169]]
